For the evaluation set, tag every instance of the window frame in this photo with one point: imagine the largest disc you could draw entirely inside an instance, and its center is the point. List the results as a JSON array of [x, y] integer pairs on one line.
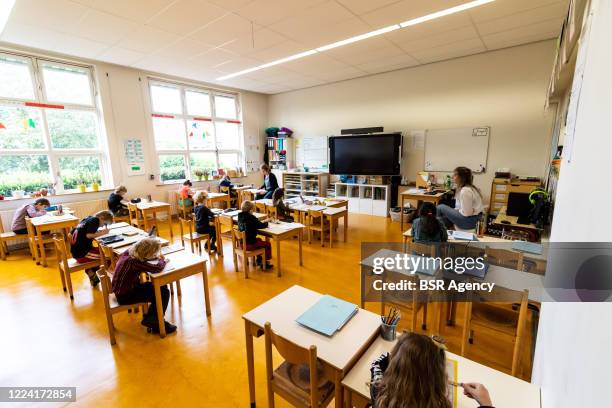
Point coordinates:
[[42, 104], [186, 118]]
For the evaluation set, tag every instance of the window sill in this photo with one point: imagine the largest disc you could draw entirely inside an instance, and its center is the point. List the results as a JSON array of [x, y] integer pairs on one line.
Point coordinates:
[[65, 193], [178, 182]]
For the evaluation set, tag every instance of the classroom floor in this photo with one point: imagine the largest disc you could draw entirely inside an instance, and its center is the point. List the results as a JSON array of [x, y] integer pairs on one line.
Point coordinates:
[[49, 341]]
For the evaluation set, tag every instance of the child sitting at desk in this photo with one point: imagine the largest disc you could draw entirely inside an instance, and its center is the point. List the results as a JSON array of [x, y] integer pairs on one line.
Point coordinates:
[[203, 216], [281, 209], [83, 235], [427, 227], [142, 257], [248, 223], [116, 203], [186, 194], [18, 226], [227, 182], [414, 375]]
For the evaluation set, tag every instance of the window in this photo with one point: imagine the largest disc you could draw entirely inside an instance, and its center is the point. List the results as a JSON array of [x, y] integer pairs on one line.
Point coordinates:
[[194, 129], [49, 126]]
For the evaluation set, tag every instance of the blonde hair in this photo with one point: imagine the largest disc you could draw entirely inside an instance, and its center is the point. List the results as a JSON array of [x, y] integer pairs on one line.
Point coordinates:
[[120, 189], [145, 249], [200, 197], [247, 206], [104, 216]]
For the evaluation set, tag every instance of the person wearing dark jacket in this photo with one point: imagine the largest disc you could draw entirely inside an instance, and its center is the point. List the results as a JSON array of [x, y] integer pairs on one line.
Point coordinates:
[[142, 257], [116, 202], [282, 211], [414, 375], [203, 217], [270, 183], [83, 235], [248, 223]]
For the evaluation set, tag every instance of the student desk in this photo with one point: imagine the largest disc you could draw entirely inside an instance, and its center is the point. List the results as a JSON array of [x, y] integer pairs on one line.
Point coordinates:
[[506, 391], [239, 190], [280, 231], [248, 194], [48, 222], [219, 198], [152, 208], [419, 196], [180, 265], [337, 353]]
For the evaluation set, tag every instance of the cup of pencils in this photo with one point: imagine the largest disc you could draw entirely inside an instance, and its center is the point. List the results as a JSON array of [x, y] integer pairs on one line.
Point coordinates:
[[388, 326]]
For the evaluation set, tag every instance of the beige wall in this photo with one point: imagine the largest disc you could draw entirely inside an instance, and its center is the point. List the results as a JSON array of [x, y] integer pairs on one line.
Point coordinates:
[[503, 89]]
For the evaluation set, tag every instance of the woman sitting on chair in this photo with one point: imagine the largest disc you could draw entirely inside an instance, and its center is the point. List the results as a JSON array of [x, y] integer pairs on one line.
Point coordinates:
[[270, 183], [468, 202]]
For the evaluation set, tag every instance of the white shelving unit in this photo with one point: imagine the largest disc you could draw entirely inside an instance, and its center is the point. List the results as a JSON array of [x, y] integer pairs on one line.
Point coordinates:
[[371, 199], [307, 184]]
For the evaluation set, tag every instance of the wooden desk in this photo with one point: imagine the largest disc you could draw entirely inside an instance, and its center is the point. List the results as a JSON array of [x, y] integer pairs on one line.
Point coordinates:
[[279, 232], [152, 208], [333, 215], [412, 194], [52, 222], [249, 194], [239, 191], [180, 265], [506, 391], [337, 353], [219, 198], [504, 220]]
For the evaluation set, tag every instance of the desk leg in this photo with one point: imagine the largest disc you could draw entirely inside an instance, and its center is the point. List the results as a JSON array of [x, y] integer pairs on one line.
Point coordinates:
[[160, 310], [300, 239], [145, 221], [250, 362], [278, 257], [170, 226], [402, 214], [345, 224], [41, 246], [338, 394], [206, 295], [331, 231], [219, 237]]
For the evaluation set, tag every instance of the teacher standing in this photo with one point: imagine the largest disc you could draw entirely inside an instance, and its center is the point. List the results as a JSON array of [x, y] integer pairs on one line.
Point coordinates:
[[468, 202], [270, 183]]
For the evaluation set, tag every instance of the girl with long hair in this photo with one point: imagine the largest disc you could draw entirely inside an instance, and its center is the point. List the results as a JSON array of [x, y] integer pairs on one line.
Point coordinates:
[[428, 227], [468, 202], [414, 375]]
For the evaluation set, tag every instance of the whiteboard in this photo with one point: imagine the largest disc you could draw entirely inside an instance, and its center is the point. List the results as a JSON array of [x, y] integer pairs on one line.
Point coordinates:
[[446, 149], [312, 152]]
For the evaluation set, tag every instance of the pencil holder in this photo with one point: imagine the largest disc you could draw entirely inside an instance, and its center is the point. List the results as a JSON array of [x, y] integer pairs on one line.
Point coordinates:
[[388, 331]]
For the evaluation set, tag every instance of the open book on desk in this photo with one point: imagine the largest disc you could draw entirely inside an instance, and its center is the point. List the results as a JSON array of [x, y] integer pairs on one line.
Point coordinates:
[[328, 315]]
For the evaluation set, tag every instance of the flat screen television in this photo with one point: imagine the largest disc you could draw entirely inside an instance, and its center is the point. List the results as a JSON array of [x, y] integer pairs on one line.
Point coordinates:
[[367, 155]]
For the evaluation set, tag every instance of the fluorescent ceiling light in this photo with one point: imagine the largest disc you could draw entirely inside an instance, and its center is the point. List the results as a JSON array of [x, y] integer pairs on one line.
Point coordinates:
[[6, 6], [351, 40], [380, 31], [446, 12]]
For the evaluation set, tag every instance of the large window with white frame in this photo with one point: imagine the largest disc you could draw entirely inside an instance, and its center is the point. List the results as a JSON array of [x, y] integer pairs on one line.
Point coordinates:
[[49, 126], [195, 130]]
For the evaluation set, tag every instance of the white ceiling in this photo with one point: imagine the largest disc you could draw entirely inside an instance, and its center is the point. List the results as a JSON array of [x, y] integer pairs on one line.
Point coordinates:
[[205, 39]]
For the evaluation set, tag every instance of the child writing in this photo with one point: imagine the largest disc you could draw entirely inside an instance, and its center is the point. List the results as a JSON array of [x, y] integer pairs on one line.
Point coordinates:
[[414, 375], [203, 216], [116, 203], [144, 256], [248, 223], [18, 226], [428, 227], [186, 194], [282, 211], [83, 235]]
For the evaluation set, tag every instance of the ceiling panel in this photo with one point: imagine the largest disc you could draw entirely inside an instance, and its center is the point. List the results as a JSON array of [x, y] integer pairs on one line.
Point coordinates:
[[147, 39], [405, 10], [223, 30], [258, 41], [502, 8], [185, 16], [447, 37], [448, 51], [136, 10], [237, 64], [388, 64], [184, 49], [60, 15], [554, 11], [214, 57], [316, 65], [341, 74], [233, 5], [364, 6], [522, 35], [430, 28], [120, 56], [328, 33], [366, 51], [266, 12], [284, 49], [103, 27]]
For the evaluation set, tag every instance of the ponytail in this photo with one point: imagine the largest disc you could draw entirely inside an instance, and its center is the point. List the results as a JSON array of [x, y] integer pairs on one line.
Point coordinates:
[[429, 220]]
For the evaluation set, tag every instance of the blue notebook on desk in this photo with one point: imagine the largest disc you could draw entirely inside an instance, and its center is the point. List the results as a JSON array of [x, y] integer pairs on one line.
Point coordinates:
[[524, 246], [328, 315]]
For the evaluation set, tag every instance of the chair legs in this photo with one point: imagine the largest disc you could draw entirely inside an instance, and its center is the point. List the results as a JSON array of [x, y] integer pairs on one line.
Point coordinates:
[[62, 277], [111, 328]]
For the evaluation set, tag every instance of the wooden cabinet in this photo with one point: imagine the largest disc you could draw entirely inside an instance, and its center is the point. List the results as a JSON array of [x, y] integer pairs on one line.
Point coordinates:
[[307, 184], [500, 188]]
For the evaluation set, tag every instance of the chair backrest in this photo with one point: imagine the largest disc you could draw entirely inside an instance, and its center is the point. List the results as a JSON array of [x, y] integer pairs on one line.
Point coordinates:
[[504, 257], [29, 227], [238, 239], [1, 227], [62, 253], [294, 354], [133, 210], [107, 256], [422, 249], [271, 211], [224, 189], [315, 217], [105, 283], [186, 225], [260, 207]]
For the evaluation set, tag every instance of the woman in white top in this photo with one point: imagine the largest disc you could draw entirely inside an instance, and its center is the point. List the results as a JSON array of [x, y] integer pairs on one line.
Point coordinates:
[[468, 202]]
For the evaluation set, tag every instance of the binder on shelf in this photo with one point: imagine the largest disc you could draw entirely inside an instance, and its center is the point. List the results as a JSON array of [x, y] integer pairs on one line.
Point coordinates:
[[328, 315]]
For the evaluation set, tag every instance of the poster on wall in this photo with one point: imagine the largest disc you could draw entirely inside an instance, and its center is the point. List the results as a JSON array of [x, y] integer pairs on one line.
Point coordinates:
[[134, 156]]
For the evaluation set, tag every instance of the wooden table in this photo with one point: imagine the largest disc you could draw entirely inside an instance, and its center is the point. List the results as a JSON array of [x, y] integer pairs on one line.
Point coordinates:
[[337, 353], [219, 198], [48, 223], [180, 265], [333, 215], [511, 222], [152, 208], [279, 232], [419, 196], [239, 190], [506, 391]]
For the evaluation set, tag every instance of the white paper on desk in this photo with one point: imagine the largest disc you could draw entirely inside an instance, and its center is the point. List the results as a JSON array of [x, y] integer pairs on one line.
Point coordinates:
[[416, 190], [317, 207]]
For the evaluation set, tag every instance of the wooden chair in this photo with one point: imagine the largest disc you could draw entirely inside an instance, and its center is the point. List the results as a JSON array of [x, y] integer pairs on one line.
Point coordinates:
[[111, 306], [502, 312], [271, 211], [108, 259], [195, 239], [233, 198], [317, 222], [239, 248], [33, 240], [7, 237], [289, 379], [184, 210], [260, 207], [136, 219], [121, 218], [66, 266], [504, 258]]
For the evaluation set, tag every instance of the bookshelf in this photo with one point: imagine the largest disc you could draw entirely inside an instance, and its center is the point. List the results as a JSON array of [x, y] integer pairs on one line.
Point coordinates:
[[371, 199], [281, 152], [307, 184]]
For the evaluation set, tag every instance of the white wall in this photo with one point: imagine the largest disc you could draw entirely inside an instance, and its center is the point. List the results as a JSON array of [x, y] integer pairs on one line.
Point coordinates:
[[503, 89], [123, 101], [573, 354]]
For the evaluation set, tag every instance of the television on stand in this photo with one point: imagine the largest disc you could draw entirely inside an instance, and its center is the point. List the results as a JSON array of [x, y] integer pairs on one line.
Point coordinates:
[[365, 155]]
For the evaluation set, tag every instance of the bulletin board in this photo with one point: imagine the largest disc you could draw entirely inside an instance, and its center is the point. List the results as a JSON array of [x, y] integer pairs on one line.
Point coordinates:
[[312, 152], [446, 149]]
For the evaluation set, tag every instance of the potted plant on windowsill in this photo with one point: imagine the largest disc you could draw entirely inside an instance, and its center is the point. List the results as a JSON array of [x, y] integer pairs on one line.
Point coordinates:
[[82, 186], [95, 185], [199, 174], [206, 174]]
